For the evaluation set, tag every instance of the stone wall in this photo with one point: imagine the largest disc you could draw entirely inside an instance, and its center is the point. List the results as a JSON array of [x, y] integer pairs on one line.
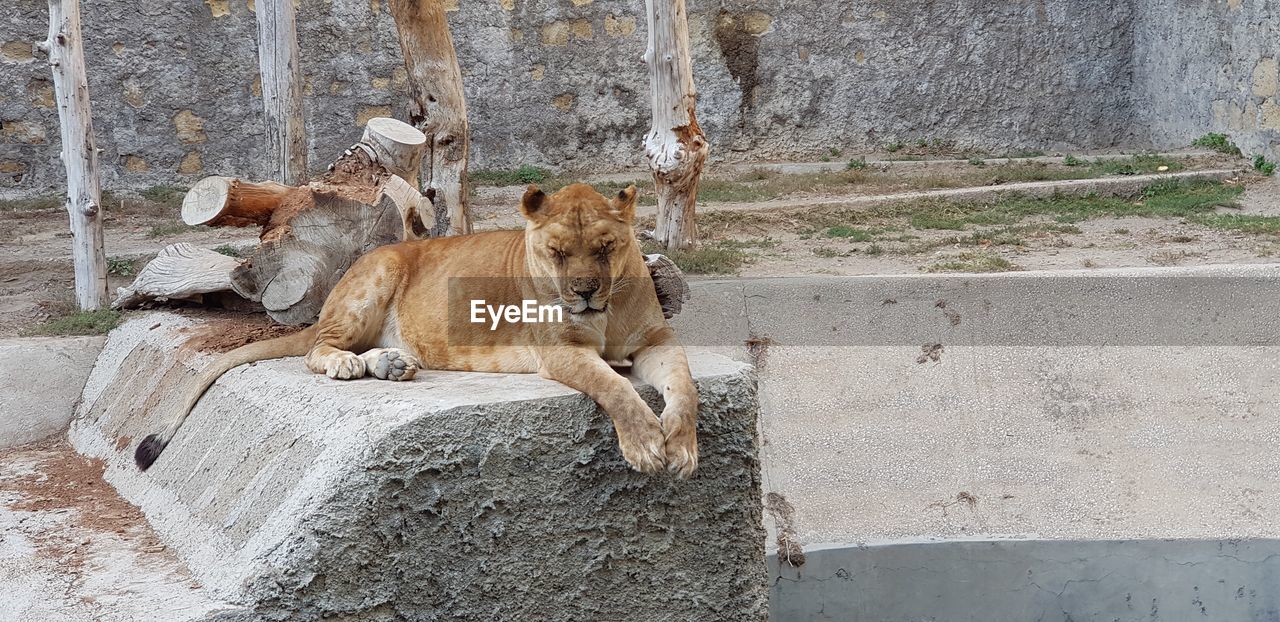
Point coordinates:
[[1208, 66], [560, 83]]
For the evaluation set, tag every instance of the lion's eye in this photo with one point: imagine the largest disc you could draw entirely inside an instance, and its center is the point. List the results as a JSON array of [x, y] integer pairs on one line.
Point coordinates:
[[556, 253], [603, 251]]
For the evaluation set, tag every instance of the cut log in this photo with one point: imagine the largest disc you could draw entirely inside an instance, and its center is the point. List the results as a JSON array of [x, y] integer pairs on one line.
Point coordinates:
[[675, 146], [291, 275], [438, 108], [79, 152], [180, 272], [669, 282], [281, 73], [395, 145], [230, 202]]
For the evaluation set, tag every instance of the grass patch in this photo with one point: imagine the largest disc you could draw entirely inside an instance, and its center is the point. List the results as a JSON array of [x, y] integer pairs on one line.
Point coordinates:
[[1244, 223], [120, 266], [228, 250], [826, 252], [34, 203], [164, 230], [853, 234], [526, 174], [1071, 160], [974, 262], [709, 258], [1217, 142], [78, 323], [856, 165], [875, 249]]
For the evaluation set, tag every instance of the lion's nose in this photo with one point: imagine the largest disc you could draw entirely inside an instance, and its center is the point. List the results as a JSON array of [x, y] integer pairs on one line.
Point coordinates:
[[585, 287], [585, 292]]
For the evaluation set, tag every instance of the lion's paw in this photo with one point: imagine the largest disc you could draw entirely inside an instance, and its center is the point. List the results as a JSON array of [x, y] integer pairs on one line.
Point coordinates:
[[642, 447], [391, 364], [681, 446], [344, 366]]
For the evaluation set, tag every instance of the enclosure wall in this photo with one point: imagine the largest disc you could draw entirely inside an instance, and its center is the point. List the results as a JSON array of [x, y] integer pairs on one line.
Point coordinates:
[[561, 83]]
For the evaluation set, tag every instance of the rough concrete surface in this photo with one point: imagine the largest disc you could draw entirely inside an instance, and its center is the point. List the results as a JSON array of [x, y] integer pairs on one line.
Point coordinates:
[[561, 84], [454, 496], [40, 383], [1124, 581]]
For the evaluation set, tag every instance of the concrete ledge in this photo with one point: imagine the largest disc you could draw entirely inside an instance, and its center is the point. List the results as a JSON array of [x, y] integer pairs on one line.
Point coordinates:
[[40, 382], [455, 496]]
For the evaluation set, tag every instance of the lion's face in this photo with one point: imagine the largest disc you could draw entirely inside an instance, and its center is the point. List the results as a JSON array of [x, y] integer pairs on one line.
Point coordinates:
[[578, 240]]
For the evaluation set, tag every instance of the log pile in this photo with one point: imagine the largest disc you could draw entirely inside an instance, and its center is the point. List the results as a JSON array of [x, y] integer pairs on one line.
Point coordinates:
[[311, 234]]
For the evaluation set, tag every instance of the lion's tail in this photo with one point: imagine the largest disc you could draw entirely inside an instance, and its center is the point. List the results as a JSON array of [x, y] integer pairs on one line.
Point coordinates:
[[296, 344]]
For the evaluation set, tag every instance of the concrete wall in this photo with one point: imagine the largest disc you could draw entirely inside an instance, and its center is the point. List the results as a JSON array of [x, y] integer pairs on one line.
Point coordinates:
[[1054, 409], [40, 382], [560, 84]]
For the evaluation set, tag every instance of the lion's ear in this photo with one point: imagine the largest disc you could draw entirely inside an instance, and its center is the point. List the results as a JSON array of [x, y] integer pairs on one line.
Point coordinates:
[[533, 202], [625, 203]]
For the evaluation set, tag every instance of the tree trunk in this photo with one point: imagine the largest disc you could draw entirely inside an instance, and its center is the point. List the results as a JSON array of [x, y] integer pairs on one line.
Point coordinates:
[[281, 76], [675, 146], [438, 108], [79, 152]]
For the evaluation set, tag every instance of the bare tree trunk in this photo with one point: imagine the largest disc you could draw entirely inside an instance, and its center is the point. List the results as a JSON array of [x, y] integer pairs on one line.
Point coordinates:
[[79, 152], [281, 75], [439, 109], [675, 146]]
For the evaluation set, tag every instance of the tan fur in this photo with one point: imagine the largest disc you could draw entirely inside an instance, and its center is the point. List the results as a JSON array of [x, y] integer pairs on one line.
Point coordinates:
[[403, 306]]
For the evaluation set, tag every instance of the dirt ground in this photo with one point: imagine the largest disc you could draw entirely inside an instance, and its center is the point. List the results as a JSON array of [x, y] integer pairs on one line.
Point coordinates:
[[36, 277]]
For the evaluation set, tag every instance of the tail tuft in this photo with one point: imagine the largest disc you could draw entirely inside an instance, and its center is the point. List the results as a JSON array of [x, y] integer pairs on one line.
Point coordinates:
[[148, 450]]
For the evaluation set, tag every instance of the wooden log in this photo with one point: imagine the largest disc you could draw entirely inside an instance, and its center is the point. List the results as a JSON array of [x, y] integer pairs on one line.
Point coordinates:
[[669, 282], [179, 272], [292, 274], [395, 145], [281, 73], [438, 108], [79, 152], [231, 202], [675, 146]]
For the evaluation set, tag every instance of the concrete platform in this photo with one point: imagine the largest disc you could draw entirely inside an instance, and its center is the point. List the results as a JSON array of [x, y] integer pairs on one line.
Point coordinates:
[[454, 496], [1058, 410]]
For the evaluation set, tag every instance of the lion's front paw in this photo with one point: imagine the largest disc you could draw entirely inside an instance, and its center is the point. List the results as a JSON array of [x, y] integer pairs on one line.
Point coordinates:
[[344, 366], [681, 445], [391, 364], [642, 446]]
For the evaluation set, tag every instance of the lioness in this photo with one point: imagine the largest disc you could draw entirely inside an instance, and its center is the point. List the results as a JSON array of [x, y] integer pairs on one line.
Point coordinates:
[[389, 316]]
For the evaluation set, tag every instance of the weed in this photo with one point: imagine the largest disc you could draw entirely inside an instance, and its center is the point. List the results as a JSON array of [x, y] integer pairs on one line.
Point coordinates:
[[120, 266], [706, 259], [977, 162], [856, 165], [526, 174], [1217, 142], [893, 147], [1244, 223], [169, 228], [1071, 160], [974, 262], [52, 201], [75, 322], [875, 249], [228, 250], [853, 234], [1263, 165], [1120, 231], [826, 252]]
